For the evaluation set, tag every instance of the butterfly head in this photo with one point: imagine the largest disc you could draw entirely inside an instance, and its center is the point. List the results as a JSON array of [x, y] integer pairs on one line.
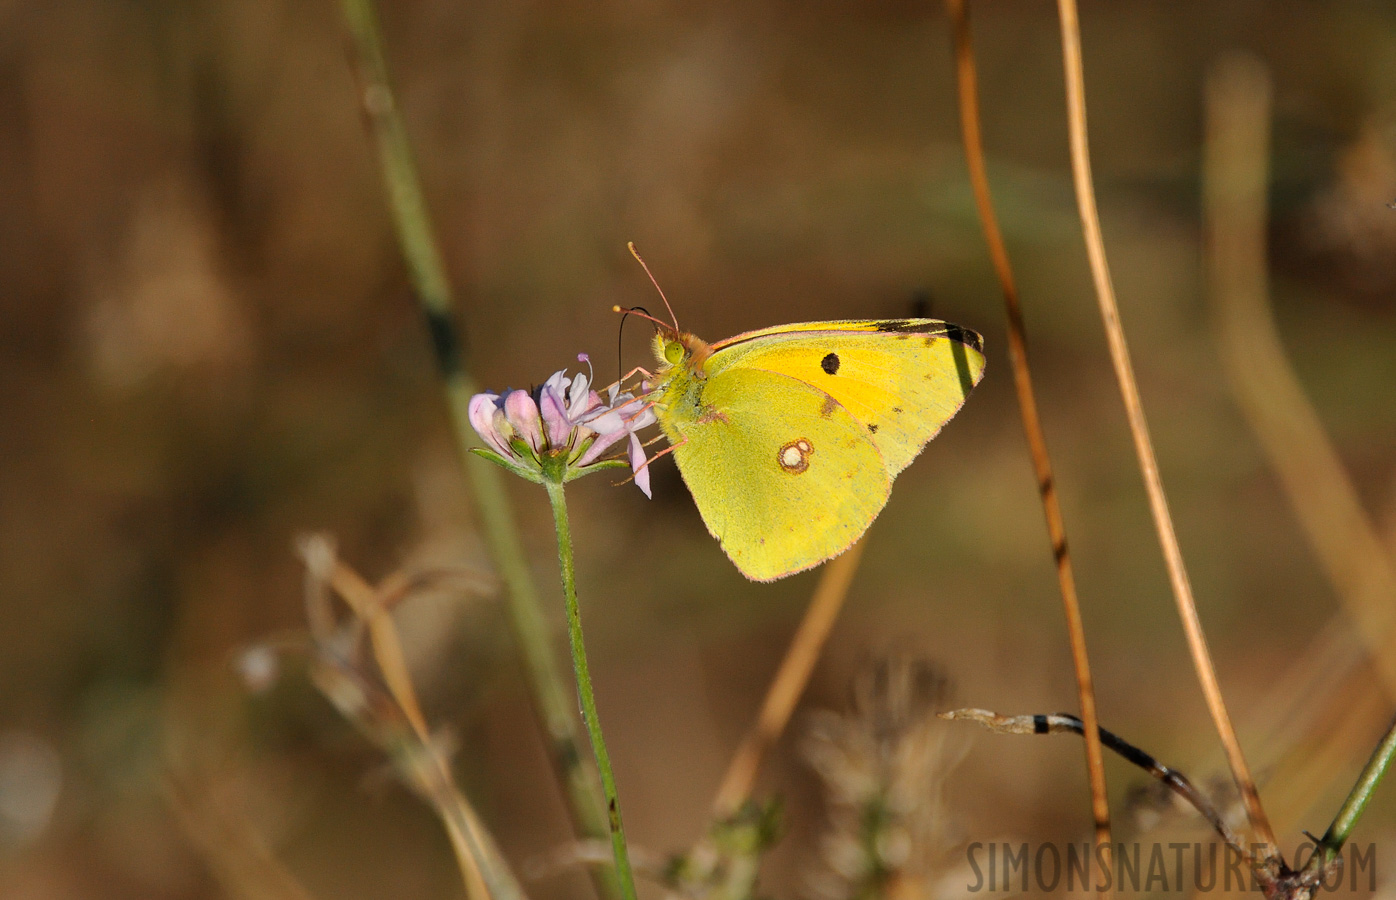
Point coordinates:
[[675, 349]]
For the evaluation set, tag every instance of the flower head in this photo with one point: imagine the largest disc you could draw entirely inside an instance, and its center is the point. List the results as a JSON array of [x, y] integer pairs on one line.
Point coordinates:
[[560, 430]]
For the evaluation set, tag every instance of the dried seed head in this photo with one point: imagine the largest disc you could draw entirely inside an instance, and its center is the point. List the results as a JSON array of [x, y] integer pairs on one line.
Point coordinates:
[[884, 765]]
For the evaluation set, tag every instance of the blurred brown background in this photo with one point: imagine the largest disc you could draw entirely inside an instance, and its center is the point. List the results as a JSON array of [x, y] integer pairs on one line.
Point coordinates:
[[208, 346]]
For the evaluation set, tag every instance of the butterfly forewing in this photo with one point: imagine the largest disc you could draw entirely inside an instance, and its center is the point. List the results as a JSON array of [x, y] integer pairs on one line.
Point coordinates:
[[901, 380]]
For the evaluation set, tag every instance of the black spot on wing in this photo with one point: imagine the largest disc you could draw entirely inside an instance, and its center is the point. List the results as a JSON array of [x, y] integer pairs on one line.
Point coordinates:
[[830, 364], [872, 428]]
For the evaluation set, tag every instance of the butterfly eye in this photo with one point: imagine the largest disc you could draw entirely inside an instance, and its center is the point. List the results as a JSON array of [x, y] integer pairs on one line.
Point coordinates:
[[673, 352]]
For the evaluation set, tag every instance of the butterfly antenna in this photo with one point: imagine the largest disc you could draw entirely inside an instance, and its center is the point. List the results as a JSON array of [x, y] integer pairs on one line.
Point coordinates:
[[620, 336], [642, 313], [636, 253]]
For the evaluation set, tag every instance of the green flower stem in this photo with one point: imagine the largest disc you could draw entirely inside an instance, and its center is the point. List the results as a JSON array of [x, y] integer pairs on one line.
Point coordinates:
[[1332, 842], [428, 275], [579, 663]]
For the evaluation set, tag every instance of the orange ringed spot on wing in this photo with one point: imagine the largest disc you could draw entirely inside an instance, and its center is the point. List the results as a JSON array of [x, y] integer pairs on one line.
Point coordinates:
[[794, 456]]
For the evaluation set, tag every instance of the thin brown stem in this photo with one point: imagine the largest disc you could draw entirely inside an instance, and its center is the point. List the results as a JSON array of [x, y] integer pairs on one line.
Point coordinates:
[[1027, 406], [1138, 426], [789, 681]]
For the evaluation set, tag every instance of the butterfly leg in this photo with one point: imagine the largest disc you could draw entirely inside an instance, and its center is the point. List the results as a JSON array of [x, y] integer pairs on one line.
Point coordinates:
[[667, 450], [622, 379]]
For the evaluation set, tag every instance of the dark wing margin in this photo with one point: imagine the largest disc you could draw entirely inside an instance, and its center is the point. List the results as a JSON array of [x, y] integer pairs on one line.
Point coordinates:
[[921, 326]]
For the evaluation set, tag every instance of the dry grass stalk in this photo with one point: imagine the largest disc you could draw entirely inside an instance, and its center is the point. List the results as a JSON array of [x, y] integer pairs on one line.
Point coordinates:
[[1274, 404], [383, 705], [1269, 393], [1139, 429]]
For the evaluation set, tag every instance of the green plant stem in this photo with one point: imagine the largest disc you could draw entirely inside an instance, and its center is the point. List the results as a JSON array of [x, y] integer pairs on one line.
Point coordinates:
[[1358, 798], [415, 236], [588, 697]]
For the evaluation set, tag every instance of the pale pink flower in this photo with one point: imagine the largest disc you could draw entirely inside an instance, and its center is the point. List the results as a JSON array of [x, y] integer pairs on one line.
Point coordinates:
[[560, 430]]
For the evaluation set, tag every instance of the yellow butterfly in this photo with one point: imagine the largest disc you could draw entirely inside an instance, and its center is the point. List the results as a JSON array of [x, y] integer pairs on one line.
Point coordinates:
[[789, 437]]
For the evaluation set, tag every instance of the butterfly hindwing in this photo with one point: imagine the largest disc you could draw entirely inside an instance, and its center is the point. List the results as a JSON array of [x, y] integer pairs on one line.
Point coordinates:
[[783, 475]]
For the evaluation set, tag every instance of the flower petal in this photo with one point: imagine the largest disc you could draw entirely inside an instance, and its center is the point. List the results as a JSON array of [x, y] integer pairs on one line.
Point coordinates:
[[483, 408], [555, 419], [640, 465], [578, 398], [644, 417], [636, 411], [604, 441], [606, 421], [553, 402], [557, 383], [522, 413]]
